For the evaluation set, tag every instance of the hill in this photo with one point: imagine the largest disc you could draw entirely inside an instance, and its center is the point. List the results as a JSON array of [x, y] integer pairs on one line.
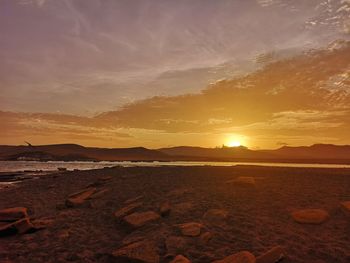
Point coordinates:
[[318, 153]]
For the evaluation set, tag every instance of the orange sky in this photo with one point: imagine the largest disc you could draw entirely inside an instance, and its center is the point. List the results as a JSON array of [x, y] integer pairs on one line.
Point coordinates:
[[298, 101], [110, 73]]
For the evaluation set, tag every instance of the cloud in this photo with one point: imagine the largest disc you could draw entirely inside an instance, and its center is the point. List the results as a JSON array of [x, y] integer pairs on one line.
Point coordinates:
[[308, 107]]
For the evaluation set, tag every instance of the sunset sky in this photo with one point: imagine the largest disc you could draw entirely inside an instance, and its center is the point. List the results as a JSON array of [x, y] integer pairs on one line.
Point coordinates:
[[159, 73]]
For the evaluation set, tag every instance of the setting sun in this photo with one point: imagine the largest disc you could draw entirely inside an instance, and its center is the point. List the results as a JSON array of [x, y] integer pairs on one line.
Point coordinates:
[[235, 140], [234, 144]]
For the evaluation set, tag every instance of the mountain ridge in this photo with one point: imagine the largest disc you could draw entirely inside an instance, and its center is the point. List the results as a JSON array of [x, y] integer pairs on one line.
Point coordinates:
[[317, 153]]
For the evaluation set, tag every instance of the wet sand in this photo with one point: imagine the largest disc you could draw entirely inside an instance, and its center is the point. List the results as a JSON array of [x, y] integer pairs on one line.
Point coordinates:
[[257, 213]]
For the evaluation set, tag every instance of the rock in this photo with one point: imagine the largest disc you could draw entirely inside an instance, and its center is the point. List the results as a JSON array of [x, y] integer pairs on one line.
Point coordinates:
[[42, 223], [243, 181], [105, 178], [18, 227], [99, 193], [127, 210], [215, 217], [180, 259], [274, 255], [310, 216], [78, 199], [142, 251], [205, 237], [191, 229], [132, 200], [165, 208], [136, 219], [132, 238], [345, 207], [23, 226], [175, 245], [13, 214], [240, 257]]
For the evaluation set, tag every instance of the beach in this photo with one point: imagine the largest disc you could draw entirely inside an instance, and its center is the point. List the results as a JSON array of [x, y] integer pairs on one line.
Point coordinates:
[[231, 209]]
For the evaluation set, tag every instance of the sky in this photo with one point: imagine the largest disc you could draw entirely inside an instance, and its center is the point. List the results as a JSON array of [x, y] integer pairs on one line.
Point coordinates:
[[159, 73]]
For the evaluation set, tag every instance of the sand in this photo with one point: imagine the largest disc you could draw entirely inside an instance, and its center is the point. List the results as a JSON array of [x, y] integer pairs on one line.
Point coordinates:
[[253, 216]]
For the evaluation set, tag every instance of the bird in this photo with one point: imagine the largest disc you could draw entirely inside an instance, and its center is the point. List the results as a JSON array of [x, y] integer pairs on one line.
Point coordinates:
[[28, 144]]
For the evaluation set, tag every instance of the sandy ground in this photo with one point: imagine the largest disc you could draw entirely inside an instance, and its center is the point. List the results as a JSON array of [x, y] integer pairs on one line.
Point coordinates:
[[258, 215]]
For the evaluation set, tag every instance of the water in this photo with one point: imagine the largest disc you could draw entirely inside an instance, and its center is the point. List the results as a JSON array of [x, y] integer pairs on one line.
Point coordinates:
[[16, 166]]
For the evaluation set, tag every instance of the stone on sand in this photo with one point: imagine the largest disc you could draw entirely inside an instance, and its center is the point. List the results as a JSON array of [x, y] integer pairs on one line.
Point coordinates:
[[18, 227], [13, 214], [42, 223], [142, 251], [345, 207], [240, 257], [79, 198], [180, 259], [99, 193], [165, 208], [310, 216], [127, 210], [215, 216], [191, 229], [105, 178], [273, 255], [137, 219], [133, 200]]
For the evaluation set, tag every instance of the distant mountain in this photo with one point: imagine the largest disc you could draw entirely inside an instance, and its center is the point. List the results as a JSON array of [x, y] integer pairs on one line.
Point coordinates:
[[227, 153], [318, 153], [77, 152]]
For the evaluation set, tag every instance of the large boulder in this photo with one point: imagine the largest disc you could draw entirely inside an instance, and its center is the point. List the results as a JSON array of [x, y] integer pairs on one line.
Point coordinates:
[[142, 252], [127, 210], [191, 229], [310, 216], [136, 219], [273, 255], [13, 214], [180, 259], [240, 257]]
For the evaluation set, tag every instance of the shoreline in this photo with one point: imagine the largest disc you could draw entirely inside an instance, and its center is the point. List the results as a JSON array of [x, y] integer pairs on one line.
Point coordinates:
[[258, 215]]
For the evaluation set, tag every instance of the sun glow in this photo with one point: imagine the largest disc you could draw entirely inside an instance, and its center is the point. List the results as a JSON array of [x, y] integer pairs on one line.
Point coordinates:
[[235, 141], [234, 144]]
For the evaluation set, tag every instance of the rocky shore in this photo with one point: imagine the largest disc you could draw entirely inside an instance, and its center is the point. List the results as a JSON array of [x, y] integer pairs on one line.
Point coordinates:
[[179, 215]]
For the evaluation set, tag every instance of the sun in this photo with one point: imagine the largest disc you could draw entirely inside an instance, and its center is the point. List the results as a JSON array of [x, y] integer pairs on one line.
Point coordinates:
[[234, 143], [235, 140]]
